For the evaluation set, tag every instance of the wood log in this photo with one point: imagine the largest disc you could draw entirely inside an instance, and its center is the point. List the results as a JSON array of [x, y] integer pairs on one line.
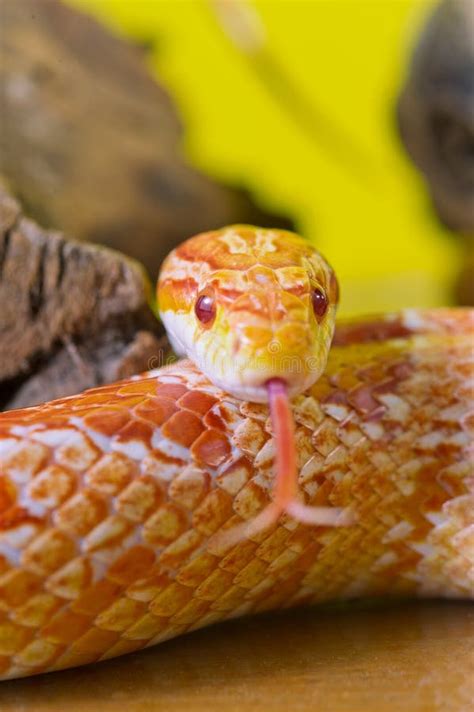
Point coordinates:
[[72, 315]]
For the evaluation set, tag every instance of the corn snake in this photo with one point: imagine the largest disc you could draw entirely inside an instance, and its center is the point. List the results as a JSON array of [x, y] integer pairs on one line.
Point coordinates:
[[113, 502]]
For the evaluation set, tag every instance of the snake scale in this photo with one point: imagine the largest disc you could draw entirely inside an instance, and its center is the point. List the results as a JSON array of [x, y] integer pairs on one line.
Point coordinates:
[[119, 506]]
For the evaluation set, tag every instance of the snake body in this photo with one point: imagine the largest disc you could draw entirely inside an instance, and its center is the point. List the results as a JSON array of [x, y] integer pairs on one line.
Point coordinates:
[[114, 504]]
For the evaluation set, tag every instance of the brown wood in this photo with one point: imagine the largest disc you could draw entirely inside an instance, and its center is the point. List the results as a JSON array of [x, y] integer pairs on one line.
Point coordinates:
[[413, 657], [72, 315]]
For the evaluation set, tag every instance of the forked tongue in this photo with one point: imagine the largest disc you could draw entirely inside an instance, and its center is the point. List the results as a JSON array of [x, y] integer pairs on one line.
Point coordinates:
[[286, 471]]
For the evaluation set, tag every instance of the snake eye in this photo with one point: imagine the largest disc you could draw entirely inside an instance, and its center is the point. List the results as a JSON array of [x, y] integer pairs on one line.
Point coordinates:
[[205, 309], [320, 302]]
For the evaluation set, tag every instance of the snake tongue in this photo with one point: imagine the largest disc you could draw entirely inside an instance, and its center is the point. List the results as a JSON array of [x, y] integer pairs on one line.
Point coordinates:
[[284, 438]]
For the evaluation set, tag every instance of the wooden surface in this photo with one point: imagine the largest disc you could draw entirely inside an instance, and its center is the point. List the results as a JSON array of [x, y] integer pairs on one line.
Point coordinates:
[[413, 657]]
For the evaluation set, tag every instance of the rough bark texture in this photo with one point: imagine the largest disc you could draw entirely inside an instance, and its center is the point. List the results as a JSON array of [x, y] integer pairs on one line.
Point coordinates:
[[71, 315], [90, 142]]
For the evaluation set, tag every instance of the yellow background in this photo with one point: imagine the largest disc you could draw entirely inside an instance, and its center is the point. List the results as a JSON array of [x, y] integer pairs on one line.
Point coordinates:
[[348, 58]]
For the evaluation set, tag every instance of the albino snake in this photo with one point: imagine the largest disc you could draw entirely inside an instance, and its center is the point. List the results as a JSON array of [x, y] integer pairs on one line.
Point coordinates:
[[141, 510]]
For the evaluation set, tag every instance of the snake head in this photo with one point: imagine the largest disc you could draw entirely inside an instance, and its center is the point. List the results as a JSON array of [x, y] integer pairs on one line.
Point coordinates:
[[249, 305]]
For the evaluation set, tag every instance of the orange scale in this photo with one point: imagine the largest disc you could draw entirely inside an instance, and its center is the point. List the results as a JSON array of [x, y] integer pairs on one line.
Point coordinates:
[[401, 369], [165, 525], [183, 428], [132, 565], [321, 389], [130, 403], [13, 638], [150, 585], [81, 513], [139, 499], [4, 564], [107, 422], [135, 430], [48, 552], [211, 448], [91, 411], [65, 627], [96, 598], [145, 387], [388, 385], [171, 390], [362, 332], [51, 486], [362, 399], [213, 420], [197, 401], [156, 410], [71, 579], [18, 587], [7, 420], [95, 399], [123, 647], [12, 417], [50, 418], [82, 409], [5, 426], [345, 379], [7, 493], [180, 550], [108, 534], [222, 416], [336, 397], [372, 372], [94, 641], [16, 516], [153, 464], [4, 664]]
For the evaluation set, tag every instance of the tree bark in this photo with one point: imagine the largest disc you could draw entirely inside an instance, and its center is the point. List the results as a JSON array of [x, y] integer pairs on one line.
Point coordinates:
[[72, 315]]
